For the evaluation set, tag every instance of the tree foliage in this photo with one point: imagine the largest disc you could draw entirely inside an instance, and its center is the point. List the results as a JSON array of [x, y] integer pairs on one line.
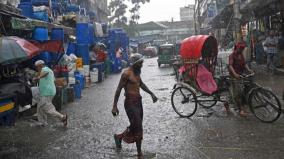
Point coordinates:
[[118, 10]]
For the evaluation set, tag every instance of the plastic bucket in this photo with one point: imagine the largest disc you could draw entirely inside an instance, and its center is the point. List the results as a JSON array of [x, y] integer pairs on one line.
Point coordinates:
[[57, 34], [40, 33], [71, 49], [94, 75], [80, 79], [82, 33], [86, 70], [100, 67], [77, 90], [27, 9], [82, 50]]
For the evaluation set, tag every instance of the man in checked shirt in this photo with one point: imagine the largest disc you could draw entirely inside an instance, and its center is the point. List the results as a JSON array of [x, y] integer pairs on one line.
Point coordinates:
[[271, 45]]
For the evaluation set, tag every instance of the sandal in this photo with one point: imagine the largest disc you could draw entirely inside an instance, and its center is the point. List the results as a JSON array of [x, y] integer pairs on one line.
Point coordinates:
[[65, 120], [243, 114], [117, 141]]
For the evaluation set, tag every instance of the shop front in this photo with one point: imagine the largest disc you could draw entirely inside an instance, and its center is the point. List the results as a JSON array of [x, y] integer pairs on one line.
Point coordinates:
[[258, 18]]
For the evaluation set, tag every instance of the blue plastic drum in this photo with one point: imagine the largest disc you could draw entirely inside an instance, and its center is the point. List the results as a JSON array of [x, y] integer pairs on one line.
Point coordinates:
[[80, 78], [40, 33], [71, 49], [57, 34], [82, 33], [91, 34], [77, 90], [82, 50], [27, 9]]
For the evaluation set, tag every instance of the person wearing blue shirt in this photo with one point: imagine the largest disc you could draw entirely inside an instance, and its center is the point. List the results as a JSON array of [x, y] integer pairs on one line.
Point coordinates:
[[47, 90]]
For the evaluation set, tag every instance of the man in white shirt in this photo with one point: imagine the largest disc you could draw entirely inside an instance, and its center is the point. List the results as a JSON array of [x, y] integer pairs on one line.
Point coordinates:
[[271, 45]]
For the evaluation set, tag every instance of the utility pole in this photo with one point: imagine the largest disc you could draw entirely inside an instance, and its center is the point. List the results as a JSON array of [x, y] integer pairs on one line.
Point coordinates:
[[237, 17], [194, 17]]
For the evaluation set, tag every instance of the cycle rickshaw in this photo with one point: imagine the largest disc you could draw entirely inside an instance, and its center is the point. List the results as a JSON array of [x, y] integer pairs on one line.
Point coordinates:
[[199, 85]]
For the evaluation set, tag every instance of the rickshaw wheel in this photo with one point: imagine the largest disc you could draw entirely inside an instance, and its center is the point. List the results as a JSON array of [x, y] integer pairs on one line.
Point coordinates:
[[264, 105], [184, 101]]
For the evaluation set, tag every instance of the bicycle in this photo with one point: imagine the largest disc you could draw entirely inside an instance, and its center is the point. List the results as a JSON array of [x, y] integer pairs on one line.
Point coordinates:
[[263, 103]]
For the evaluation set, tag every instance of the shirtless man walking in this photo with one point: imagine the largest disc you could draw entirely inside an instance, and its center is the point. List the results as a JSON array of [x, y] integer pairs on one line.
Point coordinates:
[[131, 82]]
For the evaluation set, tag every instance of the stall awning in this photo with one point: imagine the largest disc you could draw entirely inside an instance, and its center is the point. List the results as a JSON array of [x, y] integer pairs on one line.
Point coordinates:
[[10, 11], [29, 24]]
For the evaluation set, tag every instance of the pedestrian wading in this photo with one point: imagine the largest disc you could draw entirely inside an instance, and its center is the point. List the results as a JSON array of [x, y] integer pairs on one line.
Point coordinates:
[[47, 90], [131, 82]]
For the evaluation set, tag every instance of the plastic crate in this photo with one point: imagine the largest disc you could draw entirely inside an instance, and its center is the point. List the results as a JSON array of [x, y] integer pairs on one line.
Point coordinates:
[[7, 118]]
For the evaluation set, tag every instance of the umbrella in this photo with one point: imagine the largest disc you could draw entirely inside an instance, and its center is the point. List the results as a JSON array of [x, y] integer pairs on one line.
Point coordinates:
[[14, 49]]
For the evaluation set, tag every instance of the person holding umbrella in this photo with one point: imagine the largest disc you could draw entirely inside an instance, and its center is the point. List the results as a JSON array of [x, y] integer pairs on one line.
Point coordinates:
[[47, 91]]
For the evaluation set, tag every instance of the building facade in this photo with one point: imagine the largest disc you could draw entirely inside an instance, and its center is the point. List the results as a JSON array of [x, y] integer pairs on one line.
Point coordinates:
[[171, 32], [187, 13]]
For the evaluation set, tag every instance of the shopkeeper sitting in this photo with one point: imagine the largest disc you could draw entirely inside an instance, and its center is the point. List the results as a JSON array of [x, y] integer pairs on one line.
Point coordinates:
[[100, 52]]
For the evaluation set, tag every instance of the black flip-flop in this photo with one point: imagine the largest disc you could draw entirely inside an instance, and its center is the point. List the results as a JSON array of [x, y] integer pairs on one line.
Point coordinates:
[[65, 120], [117, 142]]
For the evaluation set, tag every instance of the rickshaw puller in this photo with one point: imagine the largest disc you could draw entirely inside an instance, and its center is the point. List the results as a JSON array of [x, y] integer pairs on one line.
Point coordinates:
[[237, 66]]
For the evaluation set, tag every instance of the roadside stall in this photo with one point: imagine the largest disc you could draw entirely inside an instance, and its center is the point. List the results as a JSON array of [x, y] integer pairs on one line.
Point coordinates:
[[15, 90]]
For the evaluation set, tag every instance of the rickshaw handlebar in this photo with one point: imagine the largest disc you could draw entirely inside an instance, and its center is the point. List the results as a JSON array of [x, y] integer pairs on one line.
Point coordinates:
[[247, 76]]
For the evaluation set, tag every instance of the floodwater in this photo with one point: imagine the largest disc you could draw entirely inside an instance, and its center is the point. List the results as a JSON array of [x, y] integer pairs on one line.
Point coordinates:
[[209, 134]]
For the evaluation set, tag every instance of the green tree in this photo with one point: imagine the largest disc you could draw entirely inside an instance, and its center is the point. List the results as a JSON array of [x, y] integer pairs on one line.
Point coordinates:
[[118, 10], [118, 18], [134, 11]]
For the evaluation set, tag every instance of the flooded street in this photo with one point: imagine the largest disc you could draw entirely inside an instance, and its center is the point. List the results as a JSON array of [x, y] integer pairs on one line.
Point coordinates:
[[209, 134]]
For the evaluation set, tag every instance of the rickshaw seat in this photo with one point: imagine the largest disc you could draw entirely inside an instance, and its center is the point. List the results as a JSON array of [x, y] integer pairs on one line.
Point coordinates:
[[205, 80]]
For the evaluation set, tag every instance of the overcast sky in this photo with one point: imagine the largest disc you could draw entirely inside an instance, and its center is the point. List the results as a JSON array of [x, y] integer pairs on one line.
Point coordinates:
[[162, 10]]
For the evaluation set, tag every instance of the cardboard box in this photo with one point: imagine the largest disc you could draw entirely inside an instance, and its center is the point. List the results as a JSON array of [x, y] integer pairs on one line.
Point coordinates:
[[79, 63], [60, 82]]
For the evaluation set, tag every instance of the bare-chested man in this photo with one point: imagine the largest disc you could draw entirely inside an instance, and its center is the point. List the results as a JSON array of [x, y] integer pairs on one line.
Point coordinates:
[[131, 82]]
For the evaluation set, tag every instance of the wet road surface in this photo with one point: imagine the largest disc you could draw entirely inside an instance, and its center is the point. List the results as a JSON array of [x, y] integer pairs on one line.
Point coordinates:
[[209, 134]]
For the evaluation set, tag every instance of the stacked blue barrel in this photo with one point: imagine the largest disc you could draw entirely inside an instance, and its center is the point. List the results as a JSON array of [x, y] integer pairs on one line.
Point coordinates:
[[71, 49], [115, 45], [40, 34], [41, 10], [82, 34], [26, 8], [125, 46], [82, 51], [56, 34]]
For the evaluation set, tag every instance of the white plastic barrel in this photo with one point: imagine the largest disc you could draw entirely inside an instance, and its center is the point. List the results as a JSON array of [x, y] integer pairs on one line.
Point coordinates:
[[94, 74], [86, 70]]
